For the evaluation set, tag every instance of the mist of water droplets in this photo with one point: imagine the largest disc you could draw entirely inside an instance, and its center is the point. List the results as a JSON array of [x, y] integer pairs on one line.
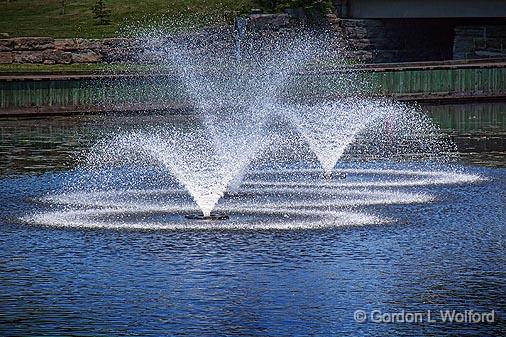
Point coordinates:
[[250, 107]]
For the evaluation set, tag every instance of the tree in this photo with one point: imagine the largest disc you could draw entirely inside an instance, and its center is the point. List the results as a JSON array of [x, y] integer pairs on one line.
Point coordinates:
[[63, 3], [102, 13]]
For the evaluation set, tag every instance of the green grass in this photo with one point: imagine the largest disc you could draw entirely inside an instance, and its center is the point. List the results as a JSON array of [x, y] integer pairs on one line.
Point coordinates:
[[44, 18], [114, 68], [78, 68]]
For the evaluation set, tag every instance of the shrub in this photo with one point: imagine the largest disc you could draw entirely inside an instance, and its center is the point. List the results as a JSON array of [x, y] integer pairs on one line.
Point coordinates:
[[102, 13]]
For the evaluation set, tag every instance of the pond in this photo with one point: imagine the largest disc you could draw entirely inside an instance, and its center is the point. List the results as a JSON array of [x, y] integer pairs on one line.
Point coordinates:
[[74, 271]]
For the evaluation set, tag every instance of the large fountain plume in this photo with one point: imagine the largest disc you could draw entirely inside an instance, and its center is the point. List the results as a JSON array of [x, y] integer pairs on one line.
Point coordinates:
[[249, 105], [235, 100]]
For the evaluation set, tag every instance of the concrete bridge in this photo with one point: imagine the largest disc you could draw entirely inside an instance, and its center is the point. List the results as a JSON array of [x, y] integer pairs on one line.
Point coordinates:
[[399, 9], [421, 30]]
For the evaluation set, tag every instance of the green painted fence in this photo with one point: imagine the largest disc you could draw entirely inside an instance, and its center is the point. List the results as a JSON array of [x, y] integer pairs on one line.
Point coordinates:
[[29, 93], [106, 91], [421, 82], [470, 81]]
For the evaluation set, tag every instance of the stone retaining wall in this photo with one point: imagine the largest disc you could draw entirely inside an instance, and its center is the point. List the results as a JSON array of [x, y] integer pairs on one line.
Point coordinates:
[[383, 41], [479, 42], [65, 51], [371, 41], [45, 50]]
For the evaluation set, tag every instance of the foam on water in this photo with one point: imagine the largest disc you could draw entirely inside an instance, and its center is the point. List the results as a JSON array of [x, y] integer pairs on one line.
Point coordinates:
[[293, 204]]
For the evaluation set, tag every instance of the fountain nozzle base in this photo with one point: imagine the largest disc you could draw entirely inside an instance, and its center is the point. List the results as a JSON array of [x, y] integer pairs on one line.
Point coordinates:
[[331, 175], [213, 216]]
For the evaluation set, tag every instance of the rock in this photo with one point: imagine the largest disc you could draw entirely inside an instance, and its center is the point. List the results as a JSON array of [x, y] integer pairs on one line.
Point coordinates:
[[363, 56], [498, 31], [364, 44], [89, 44], [28, 57], [268, 21], [6, 58], [78, 44], [65, 44], [496, 44], [470, 31], [297, 13], [57, 56], [33, 43], [479, 41], [116, 55], [116, 43], [332, 18], [6, 45], [489, 53], [86, 56], [360, 31]]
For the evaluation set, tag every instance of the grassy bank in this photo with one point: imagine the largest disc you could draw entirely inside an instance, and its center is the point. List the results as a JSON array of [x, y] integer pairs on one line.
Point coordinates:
[[76, 68], [78, 18], [85, 68], [47, 18]]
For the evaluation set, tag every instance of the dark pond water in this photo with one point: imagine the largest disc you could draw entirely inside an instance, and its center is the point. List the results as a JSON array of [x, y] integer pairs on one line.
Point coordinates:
[[443, 255]]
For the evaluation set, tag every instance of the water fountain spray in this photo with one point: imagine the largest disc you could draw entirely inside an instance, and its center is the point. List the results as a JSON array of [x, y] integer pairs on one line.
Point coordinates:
[[236, 100]]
